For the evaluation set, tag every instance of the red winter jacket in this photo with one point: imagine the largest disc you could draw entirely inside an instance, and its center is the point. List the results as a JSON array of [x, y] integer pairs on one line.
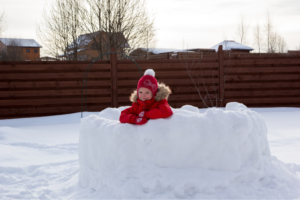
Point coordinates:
[[155, 108]]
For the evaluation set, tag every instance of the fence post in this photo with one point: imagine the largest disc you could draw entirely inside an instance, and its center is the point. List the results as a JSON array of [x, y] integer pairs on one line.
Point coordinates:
[[114, 78], [221, 74]]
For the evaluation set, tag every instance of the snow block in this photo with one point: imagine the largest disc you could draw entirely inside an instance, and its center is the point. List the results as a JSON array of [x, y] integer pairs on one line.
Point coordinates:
[[188, 155]]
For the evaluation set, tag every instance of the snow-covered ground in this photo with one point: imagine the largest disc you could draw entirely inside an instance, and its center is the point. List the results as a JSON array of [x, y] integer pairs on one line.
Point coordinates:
[[39, 160]]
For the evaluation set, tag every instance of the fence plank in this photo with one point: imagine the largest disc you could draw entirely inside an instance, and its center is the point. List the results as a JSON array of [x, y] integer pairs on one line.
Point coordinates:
[[183, 74], [262, 77], [265, 70], [49, 93], [51, 101], [266, 100], [171, 82], [188, 97], [74, 75], [262, 93], [114, 78], [53, 84], [175, 90], [264, 85], [53, 67], [221, 75], [48, 110], [285, 61], [167, 66]]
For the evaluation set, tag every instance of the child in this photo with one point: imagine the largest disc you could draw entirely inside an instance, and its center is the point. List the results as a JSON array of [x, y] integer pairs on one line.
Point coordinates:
[[149, 103]]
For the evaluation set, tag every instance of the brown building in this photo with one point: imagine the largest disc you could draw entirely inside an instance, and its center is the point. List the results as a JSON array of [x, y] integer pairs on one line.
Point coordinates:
[[87, 48], [19, 49], [232, 46]]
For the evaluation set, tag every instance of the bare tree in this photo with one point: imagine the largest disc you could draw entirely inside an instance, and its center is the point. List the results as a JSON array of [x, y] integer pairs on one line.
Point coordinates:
[[3, 22], [123, 24], [269, 33], [242, 30], [273, 42], [60, 28], [204, 78], [281, 44], [258, 37]]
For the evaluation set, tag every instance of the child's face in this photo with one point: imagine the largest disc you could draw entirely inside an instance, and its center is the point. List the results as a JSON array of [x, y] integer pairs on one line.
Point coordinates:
[[145, 94]]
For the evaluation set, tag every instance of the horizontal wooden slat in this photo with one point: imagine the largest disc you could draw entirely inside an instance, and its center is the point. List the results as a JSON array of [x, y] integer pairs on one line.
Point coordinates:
[[188, 97], [264, 93], [264, 105], [262, 77], [197, 103], [52, 62], [76, 75], [230, 86], [57, 92], [52, 84], [175, 89], [183, 73], [49, 110], [51, 101], [265, 100], [155, 62], [264, 70], [52, 67], [170, 81], [285, 61], [168, 66]]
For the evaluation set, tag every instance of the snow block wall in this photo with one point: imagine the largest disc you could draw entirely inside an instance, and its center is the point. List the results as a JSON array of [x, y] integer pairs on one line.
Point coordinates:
[[189, 155]]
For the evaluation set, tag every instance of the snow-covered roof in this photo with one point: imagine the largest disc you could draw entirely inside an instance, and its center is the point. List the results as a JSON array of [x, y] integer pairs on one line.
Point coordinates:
[[231, 45], [20, 42], [164, 50]]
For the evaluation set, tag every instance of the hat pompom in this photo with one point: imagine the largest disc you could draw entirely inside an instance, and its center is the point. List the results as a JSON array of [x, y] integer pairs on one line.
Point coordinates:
[[150, 72]]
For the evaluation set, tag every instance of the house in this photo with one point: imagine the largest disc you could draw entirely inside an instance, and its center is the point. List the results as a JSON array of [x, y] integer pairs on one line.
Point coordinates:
[[87, 48], [19, 49], [232, 46]]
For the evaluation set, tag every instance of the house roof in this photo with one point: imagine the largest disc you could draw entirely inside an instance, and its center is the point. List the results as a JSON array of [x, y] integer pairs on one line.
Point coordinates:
[[85, 39], [202, 50], [163, 50], [20, 42], [231, 45]]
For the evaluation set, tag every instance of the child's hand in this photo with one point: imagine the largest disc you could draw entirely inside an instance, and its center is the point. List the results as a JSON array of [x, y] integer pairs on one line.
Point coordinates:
[[141, 120], [142, 114]]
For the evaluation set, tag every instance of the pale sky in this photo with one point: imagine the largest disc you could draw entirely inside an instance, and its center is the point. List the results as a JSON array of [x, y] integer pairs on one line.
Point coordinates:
[[183, 23]]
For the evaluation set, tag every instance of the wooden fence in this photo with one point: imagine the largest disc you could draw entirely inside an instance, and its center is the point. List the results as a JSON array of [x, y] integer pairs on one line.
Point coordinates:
[[37, 88]]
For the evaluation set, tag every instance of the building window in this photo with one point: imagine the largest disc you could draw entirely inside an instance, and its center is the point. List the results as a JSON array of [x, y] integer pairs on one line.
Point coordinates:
[[35, 50], [27, 50]]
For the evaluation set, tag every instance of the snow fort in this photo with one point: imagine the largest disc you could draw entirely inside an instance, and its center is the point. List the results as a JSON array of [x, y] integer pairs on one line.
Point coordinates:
[[222, 153]]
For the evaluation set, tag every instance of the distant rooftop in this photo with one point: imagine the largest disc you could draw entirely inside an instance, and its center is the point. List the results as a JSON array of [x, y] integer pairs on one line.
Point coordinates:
[[19, 42], [231, 45]]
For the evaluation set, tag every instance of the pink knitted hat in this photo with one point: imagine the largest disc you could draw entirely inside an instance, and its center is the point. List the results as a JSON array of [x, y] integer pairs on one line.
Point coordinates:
[[148, 81]]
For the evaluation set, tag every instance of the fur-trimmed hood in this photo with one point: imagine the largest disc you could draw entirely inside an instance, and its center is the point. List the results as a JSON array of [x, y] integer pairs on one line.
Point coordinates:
[[162, 93]]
